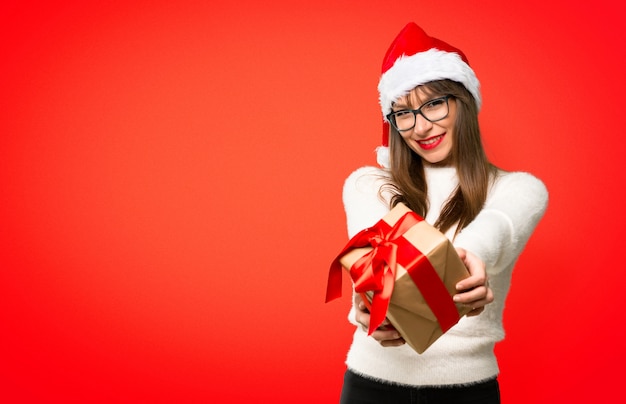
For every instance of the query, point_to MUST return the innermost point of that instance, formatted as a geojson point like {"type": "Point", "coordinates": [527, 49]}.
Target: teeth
{"type": "Point", "coordinates": [430, 141]}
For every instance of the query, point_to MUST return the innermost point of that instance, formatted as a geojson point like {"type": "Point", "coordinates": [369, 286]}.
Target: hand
{"type": "Point", "coordinates": [474, 291]}
{"type": "Point", "coordinates": [386, 334]}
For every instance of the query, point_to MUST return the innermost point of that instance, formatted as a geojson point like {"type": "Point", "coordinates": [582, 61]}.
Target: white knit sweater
{"type": "Point", "coordinates": [464, 355]}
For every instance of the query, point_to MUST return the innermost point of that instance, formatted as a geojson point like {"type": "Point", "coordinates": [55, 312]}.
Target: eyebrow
{"type": "Point", "coordinates": [400, 106]}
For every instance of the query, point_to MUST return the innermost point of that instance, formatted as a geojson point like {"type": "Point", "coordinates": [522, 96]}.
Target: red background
{"type": "Point", "coordinates": [170, 180]}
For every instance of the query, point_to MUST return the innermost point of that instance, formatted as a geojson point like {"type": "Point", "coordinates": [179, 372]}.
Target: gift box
{"type": "Point", "coordinates": [407, 271]}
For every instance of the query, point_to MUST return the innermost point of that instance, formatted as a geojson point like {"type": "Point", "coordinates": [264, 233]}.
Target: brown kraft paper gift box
{"type": "Point", "coordinates": [408, 310]}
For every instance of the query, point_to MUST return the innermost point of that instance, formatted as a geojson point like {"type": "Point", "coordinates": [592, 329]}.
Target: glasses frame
{"type": "Point", "coordinates": [390, 117]}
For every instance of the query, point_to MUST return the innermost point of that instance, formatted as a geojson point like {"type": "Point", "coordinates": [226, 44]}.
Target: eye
{"type": "Point", "coordinates": [436, 103]}
{"type": "Point", "coordinates": [402, 114]}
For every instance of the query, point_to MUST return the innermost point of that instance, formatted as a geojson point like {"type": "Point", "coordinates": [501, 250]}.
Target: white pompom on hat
{"type": "Point", "coordinates": [413, 59]}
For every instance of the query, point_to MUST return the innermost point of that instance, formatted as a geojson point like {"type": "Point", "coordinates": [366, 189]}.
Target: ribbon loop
{"type": "Point", "coordinates": [376, 270]}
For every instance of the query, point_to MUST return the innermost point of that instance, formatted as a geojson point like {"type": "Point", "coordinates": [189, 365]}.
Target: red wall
{"type": "Point", "coordinates": [170, 180]}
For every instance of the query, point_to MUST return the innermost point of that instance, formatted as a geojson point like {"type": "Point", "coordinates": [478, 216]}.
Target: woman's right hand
{"type": "Point", "coordinates": [386, 334]}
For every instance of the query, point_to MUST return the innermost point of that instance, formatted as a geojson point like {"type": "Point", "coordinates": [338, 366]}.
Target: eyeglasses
{"type": "Point", "coordinates": [433, 111]}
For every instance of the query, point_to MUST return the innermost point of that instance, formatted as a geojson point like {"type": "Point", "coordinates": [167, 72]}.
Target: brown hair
{"type": "Point", "coordinates": [408, 182]}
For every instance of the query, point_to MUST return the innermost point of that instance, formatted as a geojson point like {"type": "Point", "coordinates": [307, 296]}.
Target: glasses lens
{"type": "Point", "coordinates": [404, 120]}
{"type": "Point", "coordinates": [436, 109]}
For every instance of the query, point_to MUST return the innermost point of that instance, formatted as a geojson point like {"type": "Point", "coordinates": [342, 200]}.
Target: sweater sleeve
{"type": "Point", "coordinates": [498, 234]}
{"type": "Point", "coordinates": [362, 201]}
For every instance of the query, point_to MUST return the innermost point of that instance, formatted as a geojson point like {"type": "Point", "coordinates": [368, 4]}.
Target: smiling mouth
{"type": "Point", "coordinates": [431, 142]}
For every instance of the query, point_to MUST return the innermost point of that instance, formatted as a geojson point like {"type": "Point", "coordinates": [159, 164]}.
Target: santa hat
{"type": "Point", "coordinates": [413, 59]}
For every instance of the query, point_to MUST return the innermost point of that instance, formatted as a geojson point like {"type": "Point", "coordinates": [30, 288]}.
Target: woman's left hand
{"type": "Point", "coordinates": [474, 291]}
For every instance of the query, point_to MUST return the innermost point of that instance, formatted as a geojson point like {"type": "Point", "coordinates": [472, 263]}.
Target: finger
{"type": "Point", "coordinates": [388, 337]}
{"type": "Point", "coordinates": [472, 262]}
{"type": "Point", "coordinates": [476, 268]}
{"type": "Point", "coordinates": [477, 278]}
{"type": "Point", "coordinates": [473, 295]}
{"type": "Point", "coordinates": [364, 319]}
{"type": "Point", "coordinates": [478, 306]}
{"type": "Point", "coordinates": [392, 343]}
{"type": "Point", "coordinates": [474, 280]}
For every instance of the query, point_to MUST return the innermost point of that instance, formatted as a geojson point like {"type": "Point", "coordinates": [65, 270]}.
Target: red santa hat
{"type": "Point", "coordinates": [413, 59]}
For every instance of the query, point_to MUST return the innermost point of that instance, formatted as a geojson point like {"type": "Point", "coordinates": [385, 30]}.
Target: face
{"type": "Point", "coordinates": [430, 140]}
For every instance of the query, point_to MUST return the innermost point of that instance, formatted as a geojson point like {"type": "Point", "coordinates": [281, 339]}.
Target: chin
{"type": "Point", "coordinates": [439, 162]}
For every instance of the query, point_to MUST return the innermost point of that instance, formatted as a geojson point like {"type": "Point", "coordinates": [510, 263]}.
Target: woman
{"type": "Point", "coordinates": [434, 162]}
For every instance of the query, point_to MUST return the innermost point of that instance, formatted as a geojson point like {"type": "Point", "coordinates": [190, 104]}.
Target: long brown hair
{"type": "Point", "coordinates": [408, 181]}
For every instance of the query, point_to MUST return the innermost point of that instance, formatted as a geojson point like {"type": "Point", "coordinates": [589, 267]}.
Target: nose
{"type": "Point", "coordinates": [422, 125]}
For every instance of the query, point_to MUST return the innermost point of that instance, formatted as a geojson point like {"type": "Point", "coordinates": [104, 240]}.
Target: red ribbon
{"type": "Point", "coordinates": [376, 271]}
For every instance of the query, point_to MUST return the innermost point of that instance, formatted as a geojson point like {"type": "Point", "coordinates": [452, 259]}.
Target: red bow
{"type": "Point", "coordinates": [376, 270]}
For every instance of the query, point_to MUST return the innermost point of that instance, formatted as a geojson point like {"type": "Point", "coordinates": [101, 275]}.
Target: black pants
{"type": "Point", "coordinates": [361, 390]}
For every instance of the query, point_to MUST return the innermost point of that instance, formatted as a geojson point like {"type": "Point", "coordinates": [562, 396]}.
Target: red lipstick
{"type": "Point", "coordinates": [431, 142]}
